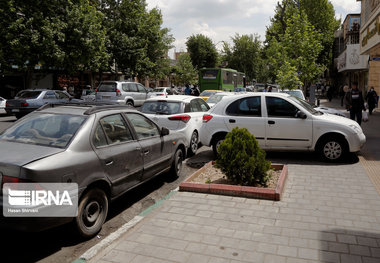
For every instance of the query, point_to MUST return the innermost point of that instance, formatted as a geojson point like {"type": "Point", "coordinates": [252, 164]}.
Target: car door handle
{"type": "Point", "coordinates": [146, 152]}
{"type": "Point", "coordinates": [109, 162]}
{"type": "Point", "coordinates": [232, 120]}
{"type": "Point", "coordinates": [271, 122]}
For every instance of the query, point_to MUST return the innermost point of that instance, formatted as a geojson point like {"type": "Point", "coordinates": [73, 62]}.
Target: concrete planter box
{"type": "Point", "coordinates": [236, 190]}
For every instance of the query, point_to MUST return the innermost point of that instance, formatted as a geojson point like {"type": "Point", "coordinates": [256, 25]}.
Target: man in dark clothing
{"type": "Point", "coordinates": [371, 100]}
{"type": "Point", "coordinates": [355, 103]}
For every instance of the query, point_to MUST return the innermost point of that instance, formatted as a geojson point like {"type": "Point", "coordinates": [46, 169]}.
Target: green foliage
{"type": "Point", "coordinates": [296, 51]}
{"type": "Point", "coordinates": [287, 77]}
{"type": "Point", "coordinates": [184, 71]}
{"type": "Point", "coordinates": [241, 158]}
{"type": "Point", "coordinates": [53, 34]}
{"type": "Point", "coordinates": [244, 55]}
{"type": "Point", "coordinates": [202, 51]}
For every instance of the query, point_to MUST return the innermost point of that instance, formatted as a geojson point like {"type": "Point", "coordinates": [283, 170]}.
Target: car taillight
{"type": "Point", "coordinates": [118, 93]}
{"type": "Point", "coordinates": [185, 118]}
{"type": "Point", "coordinates": [24, 104]}
{"type": "Point", "coordinates": [96, 90]}
{"type": "Point", "coordinates": [6, 104]}
{"type": "Point", "coordinates": [10, 179]}
{"type": "Point", "coordinates": [207, 118]}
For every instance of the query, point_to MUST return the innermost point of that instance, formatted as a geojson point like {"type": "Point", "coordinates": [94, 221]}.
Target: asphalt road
{"type": "Point", "coordinates": [63, 245]}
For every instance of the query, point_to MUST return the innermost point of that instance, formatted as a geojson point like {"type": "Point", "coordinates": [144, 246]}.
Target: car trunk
{"type": "Point", "coordinates": [106, 91]}
{"type": "Point", "coordinates": [15, 155]}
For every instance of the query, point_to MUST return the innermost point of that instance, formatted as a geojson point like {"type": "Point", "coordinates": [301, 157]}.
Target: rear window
{"type": "Point", "coordinates": [28, 94]}
{"type": "Point", "coordinates": [107, 87]}
{"type": "Point", "coordinates": [215, 98]}
{"type": "Point", "coordinates": [158, 90]}
{"type": "Point", "coordinates": [52, 130]}
{"type": "Point", "coordinates": [207, 93]}
{"type": "Point", "coordinates": [161, 107]}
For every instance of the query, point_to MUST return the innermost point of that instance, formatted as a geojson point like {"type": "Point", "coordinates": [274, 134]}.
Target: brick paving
{"type": "Point", "coordinates": [329, 213]}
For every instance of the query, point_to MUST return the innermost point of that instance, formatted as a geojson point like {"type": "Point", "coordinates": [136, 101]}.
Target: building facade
{"type": "Point", "coordinates": [370, 39]}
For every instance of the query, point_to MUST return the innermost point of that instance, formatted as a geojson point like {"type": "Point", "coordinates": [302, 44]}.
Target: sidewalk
{"type": "Point", "coordinates": [329, 213]}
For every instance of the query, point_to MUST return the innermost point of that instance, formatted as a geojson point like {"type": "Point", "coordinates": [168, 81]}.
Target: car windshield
{"type": "Point", "coordinates": [215, 98]}
{"type": "Point", "coordinates": [207, 93]}
{"type": "Point", "coordinates": [53, 130]}
{"type": "Point", "coordinates": [107, 87]}
{"type": "Point", "coordinates": [305, 105]}
{"type": "Point", "coordinates": [28, 94]}
{"type": "Point", "coordinates": [161, 107]}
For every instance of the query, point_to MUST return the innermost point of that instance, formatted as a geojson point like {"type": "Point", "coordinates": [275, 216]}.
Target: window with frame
{"type": "Point", "coordinates": [144, 127]}
{"type": "Point", "coordinates": [50, 95]}
{"type": "Point", "coordinates": [204, 106]}
{"type": "Point", "coordinates": [278, 107]}
{"type": "Point", "coordinates": [250, 106]}
{"type": "Point", "coordinates": [125, 87]}
{"type": "Point", "coordinates": [141, 88]}
{"type": "Point", "coordinates": [111, 130]}
{"type": "Point", "coordinates": [132, 87]}
{"type": "Point", "coordinates": [195, 106]}
{"type": "Point", "coordinates": [62, 95]}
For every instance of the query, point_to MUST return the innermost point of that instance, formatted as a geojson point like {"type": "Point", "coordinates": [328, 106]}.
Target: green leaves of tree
{"type": "Point", "coordinates": [202, 51]}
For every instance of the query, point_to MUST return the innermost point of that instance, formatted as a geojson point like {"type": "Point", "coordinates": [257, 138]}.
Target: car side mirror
{"type": "Point", "coordinates": [164, 131]}
{"type": "Point", "coordinates": [301, 115]}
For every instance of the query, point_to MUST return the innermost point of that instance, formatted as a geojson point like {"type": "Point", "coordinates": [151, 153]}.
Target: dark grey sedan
{"type": "Point", "coordinates": [106, 150]}
{"type": "Point", "coordinates": [27, 101]}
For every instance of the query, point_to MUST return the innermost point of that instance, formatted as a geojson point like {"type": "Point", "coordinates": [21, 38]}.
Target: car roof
{"type": "Point", "coordinates": [172, 98]}
{"type": "Point", "coordinates": [252, 94]}
{"type": "Point", "coordinates": [224, 93]}
{"type": "Point", "coordinates": [114, 81]}
{"type": "Point", "coordinates": [83, 108]}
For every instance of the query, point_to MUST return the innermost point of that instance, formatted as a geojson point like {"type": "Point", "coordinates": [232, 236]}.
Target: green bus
{"type": "Point", "coordinates": [220, 79]}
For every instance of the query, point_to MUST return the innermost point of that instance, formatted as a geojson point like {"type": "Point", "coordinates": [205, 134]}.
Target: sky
{"type": "Point", "coordinates": [222, 19]}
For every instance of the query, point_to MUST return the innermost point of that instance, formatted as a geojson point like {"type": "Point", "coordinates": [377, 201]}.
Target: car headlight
{"type": "Point", "coordinates": [356, 129]}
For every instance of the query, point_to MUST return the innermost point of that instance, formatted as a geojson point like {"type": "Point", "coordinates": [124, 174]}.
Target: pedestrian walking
{"type": "Point", "coordinates": [187, 90]}
{"type": "Point", "coordinates": [355, 103]}
{"type": "Point", "coordinates": [372, 100]}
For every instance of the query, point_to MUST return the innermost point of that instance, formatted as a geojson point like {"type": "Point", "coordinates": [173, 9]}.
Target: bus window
{"type": "Point", "coordinates": [210, 74]}
{"type": "Point", "coordinates": [227, 77]}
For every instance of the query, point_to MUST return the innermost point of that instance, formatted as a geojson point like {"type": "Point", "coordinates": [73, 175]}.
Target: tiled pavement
{"type": "Point", "coordinates": [329, 213]}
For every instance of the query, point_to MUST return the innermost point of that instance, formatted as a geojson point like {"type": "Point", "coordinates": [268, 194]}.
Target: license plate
{"type": "Point", "coordinates": [106, 97]}
{"type": "Point", "coordinates": [15, 110]}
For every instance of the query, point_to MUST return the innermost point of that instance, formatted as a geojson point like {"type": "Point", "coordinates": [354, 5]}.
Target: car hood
{"type": "Point", "coordinates": [336, 119]}
{"type": "Point", "coordinates": [13, 153]}
{"type": "Point", "coordinates": [328, 110]}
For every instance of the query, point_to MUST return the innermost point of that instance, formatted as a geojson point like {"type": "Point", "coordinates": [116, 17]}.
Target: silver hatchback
{"type": "Point", "coordinates": [122, 92]}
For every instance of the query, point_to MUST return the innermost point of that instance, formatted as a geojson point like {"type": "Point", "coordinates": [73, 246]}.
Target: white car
{"type": "Point", "coordinates": [282, 122]}
{"type": "Point", "coordinates": [2, 105]}
{"type": "Point", "coordinates": [214, 99]}
{"type": "Point", "coordinates": [162, 91]}
{"type": "Point", "coordinates": [181, 113]}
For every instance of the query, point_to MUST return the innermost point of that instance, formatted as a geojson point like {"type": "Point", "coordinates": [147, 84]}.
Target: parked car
{"type": "Point", "coordinates": [182, 113]}
{"type": "Point", "coordinates": [2, 105]}
{"type": "Point", "coordinates": [107, 150]}
{"type": "Point", "coordinates": [282, 122]}
{"type": "Point", "coordinates": [214, 99]}
{"type": "Point", "coordinates": [161, 91]}
{"type": "Point", "coordinates": [122, 92]}
{"type": "Point", "coordinates": [88, 95]}
{"type": "Point", "coordinates": [259, 87]}
{"type": "Point", "coordinates": [295, 92]}
{"type": "Point", "coordinates": [207, 93]}
{"type": "Point", "coordinates": [27, 101]}
{"type": "Point", "coordinates": [241, 90]}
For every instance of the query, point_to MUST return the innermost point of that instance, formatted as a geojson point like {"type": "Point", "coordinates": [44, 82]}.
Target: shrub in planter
{"type": "Point", "coordinates": [241, 159]}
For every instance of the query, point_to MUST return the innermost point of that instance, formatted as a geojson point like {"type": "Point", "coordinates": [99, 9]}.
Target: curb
{"type": "Point", "coordinates": [105, 243]}
{"type": "Point", "coordinates": [236, 190]}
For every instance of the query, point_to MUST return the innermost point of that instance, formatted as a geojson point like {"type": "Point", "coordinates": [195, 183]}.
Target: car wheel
{"type": "Point", "coordinates": [177, 163]}
{"type": "Point", "coordinates": [194, 140]}
{"type": "Point", "coordinates": [333, 149]}
{"type": "Point", "coordinates": [92, 212]}
{"type": "Point", "coordinates": [129, 103]}
{"type": "Point", "coordinates": [216, 143]}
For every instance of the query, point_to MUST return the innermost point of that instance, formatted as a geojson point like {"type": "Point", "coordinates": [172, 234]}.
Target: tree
{"type": "Point", "coordinates": [138, 44]}
{"type": "Point", "coordinates": [321, 15]}
{"type": "Point", "coordinates": [184, 71]}
{"type": "Point", "coordinates": [202, 51]}
{"type": "Point", "coordinates": [297, 50]}
{"type": "Point", "coordinates": [244, 55]}
{"type": "Point", "coordinates": [56, 35]}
